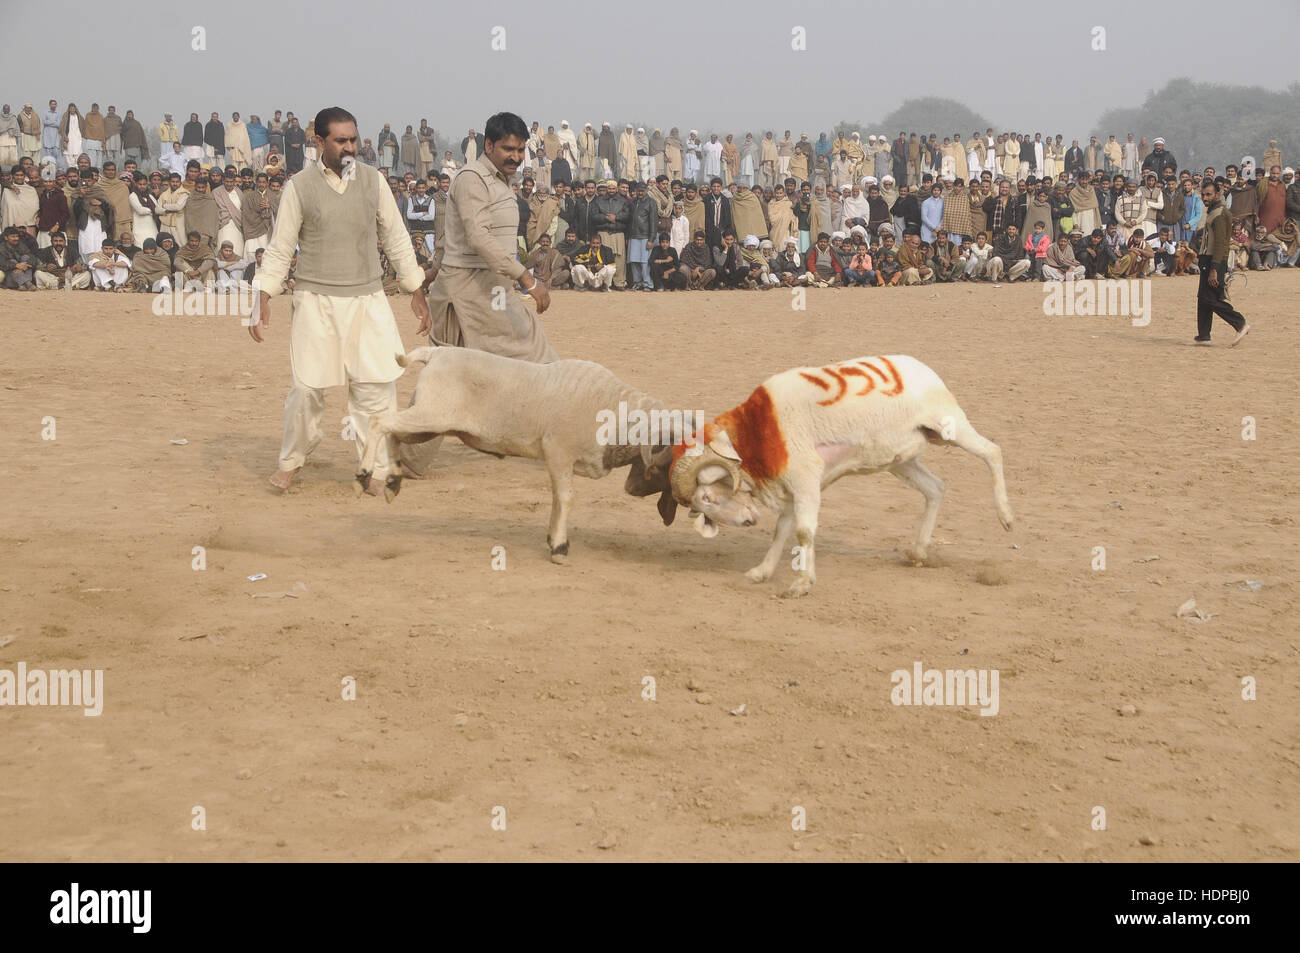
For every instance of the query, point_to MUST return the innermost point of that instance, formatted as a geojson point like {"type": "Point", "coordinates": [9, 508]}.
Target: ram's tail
{"type": "Point", "coordinates": [419, 354]}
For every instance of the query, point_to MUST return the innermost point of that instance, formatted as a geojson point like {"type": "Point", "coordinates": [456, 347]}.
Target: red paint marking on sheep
{"type": "Point", "coordinates": [756, 434]}
{"type": "Point", "coordinates": [850, 370]}
{"type": "Point", "coordinates": [839, 380]}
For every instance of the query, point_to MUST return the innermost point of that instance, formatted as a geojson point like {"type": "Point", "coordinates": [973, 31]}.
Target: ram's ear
{"type": "Point", "coordinates": [721, 445]}
{"type": "Point", "coordinates": [647, 454]}
{"type": "Point", "coordinates": [667, 507]}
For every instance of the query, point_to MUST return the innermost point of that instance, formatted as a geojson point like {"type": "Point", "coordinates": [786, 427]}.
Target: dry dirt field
{"type": "Point", "coordinates": [522, 689]}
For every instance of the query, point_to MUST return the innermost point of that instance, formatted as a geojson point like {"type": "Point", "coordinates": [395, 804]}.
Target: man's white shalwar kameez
{"type": "Point", "coordinates": [336, 340]}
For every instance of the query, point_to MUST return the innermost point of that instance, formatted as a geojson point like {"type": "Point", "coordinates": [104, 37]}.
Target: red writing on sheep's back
{"type": "Point", "coordinates": [756, 434]}
{"type": "Point", "coordinates": [863, 376]}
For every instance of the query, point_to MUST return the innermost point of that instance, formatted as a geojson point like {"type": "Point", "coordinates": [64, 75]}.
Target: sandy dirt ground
{"type": "Point", "coordinates": [478, 690]}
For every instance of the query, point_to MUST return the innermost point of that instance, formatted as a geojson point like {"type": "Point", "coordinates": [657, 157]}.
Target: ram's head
{"type": "Point", "coordinates": [708, 477]}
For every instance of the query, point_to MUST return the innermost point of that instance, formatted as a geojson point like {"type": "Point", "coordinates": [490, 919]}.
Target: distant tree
{"type": "Point", "coordinates": [1211, 124]}
{"type": "Point", "coordinates": [932, 114]}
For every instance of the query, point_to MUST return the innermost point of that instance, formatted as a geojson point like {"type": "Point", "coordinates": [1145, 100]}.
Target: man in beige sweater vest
{"type": "Point", "coordinates": [336, 212]}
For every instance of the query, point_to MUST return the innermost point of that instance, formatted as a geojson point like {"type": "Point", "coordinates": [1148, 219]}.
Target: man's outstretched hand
{"type": "Point", "coordinates": [420, 307]}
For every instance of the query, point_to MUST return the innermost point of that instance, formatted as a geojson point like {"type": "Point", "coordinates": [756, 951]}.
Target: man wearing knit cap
{"type": "Point", "coordinates": [336, 212]}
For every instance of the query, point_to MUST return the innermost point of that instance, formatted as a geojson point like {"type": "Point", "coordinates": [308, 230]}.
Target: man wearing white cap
{"type": "Point", "coordinates": [568, 144]}
{"type": "Point", "coordinates": [1160, 161]}
{"type": "Point", "coordinates": [9, 134]}
{"type": "Point", "coordinates": [587, 153]}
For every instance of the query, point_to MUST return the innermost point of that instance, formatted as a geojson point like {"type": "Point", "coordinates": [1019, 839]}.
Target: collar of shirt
{"type": "Point", "coordinates": [486, 166]}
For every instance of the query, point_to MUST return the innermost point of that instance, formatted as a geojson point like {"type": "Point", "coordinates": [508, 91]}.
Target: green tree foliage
{"type": "Point", "coordinates": [943, 117]}
{"type": "Point", "coordinates": [933, 114]}
{"type": "Point", "coordinates": [1211, 124]}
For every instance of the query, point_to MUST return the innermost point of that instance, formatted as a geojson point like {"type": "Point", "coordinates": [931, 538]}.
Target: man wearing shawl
{"type": "Point", "coordinates": [893, 158]}
{"type": "Point", "coordinates": [543, 210]}
{"type": "Point", "coordinates": [410, 151]}
{"type": "Point", "coordinates": [214, 139]}
{"type": "Point", "coordinates": [134, 144]}
{"type": "Point", "coordinates": [230, 215]}
{"type": "Point", "coordinates": [645, 164]}
{"type": "Point", "coordinates": [202, 215]}
{"type": "Point", "coordinates": [259, 138]}
{"type": "Point", "coordinates": [799, 167]}
{"type": "Point", "coordinates": [427, 148]}
{"type": "Point", "coordinates": [386, 148]}
{"type": "Point", "coordinates": [196, 262]}
{"type": "Point", "coordinates": [749, 160]}
{"type": "Point", "coordinates": [627, 160]}
{"type": "Point", "coordinates": [150, 269]}
{"type": "Point", "coordinates": [118, 194]}
{"type": "Point", "coordinates": [673, 155]}
{"type": "Point", "coordinates": [784, 223]}
{"type": "Point", "coordinates": [92, 134]}
{"type": "Point", "coordinates": [587, 153]}
{"type": "Point", "coordinates": [768, 160]}
{"type": "Point", "coordinates": [192, 139]}
{"type": "Point", "coordinates": [693, 206]}
{"type": "Point", "coordinates": [607, 152]}
{"type": "Point", "coordinates": [746, 212]}
{"type": "Point", "coordinates": [857, 154]}
{"type": "Point", "coordinates": [112, 135]}
{"type": "Point", "coordinates": [1272, 199]}
{"type": "Point", "coordinates": [569, 151]}
{"type": "Point", "coordinates": [1084, 199]}
{"type": "Point", "coordinates": [239, 148]}
{"type": "Point", "coordinates": [730, 162]}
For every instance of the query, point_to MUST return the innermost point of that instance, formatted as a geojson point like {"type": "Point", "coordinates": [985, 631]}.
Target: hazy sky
{"type": "Point", "coordinates": [726, 66]}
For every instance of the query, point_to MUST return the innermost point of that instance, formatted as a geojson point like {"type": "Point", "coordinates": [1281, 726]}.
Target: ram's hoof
{"type": "Point", "coordinates": [800, 587]}
{"type": "Point", "coordinates": [560, 553]}
{"type": "Point", "coordinates": [392, 486]}
{"type": "Point", "coordinates": [360, 486]}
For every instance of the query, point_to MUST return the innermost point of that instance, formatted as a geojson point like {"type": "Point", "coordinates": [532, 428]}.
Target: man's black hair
{"type": "Point", "coordinates": [501, 125]}
{"type": "Point", "coordinates": [332, 114]}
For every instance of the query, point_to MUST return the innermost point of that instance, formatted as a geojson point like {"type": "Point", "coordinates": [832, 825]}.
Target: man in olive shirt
{"type": "Point", "coordinates": [1210, 298]}
{"type": "Point", "coordinates": [476, 265]}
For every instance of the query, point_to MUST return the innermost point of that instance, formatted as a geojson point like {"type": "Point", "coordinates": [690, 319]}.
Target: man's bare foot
{"type": "Point", "coordinates": [282, 478]}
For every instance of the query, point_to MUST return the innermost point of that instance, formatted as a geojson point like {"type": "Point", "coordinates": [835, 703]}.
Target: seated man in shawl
{"type": "Point", "coordinates": [548, 264]}
{"type": "Point", "coordinates": [18, 262]}
{"type": "Point", "coordinates": [732, 268]}
{"type": "Point", "coordinates": [196, 262]}
{"type": "Point", "coordinates": [697, 263]}
{"type": "Point", "coordinates": [787, 265]}
{"type": "Point", "coordinates": [916, 267]}
{"type": "Point", "coordinates": [150, 270]}
{"type": "Point", "coordinates": [946, 256]}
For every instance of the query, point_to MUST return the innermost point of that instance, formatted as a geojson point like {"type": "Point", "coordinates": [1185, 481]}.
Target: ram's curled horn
{"type": "Point", "coordinates": [684, 477]}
